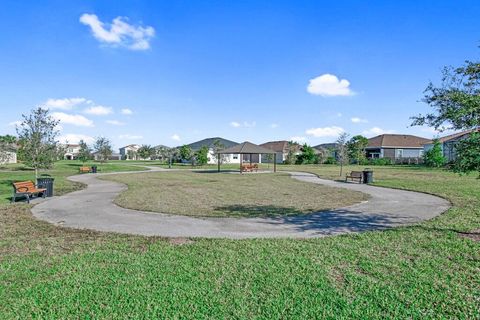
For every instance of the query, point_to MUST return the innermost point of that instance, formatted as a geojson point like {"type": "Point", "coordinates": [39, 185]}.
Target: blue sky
{"type": "Point", "coordinates": [173, 72]}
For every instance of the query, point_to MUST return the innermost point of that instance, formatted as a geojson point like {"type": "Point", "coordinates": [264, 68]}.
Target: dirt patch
{"type": "Point", "coordinates": [180, 241]}
{"type": "Point", "coordinates": [472, 235]}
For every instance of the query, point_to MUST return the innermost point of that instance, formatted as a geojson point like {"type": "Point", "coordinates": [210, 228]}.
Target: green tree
{"type": "Point", "coordinates": [308, 155]}
{"type": "Point", "coordinates": [456, 104]}
{"type": "Point", "coordinates": [146, 151]}
{"type": "Point", "coordinates": [434, 157]}
{"type": "Point", "coordinates": [219, 146]}
{"type": "Point", "coordinates": [38, 136]}
{"type": "Point", "coordinates": [356, 148]}
{"type": "Point", "coordinates": [84, 152]}
{"type": "Point", "coordinates": [468, 154]}
{"type": "Point", "coordinates": [103, 147]}
{"type": "Point", "coordinates": [186, 153]}
{"type": "Point", "coordinates": [131, 155]}
{"type": "Point", "coordinates": [202, 155]}
{"type": "Point", "coordinates": [342, 151]}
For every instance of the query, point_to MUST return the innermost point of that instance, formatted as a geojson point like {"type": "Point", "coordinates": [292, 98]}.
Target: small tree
{"type": "Point", "coordinates": [216, 147]}
{"type": "Point", "coordinates": [356, 148]}
{"type": "Point", "coordinates": [468, 154]}
{"type": "Point", "coordinates": [186, 153]}
{"type": "Point", "coordinates": [131, 155]}
{"type": "Point", "coordinates": [38, 134]}
{"type": "Point", "coordinates": [202, 155]}
{"type": "Point", "coordinates": [322, 155]}
{"type": "Point", "coordinates": [146, 151]}
{"type": "Point", "coordinates": [103, 147]}
{"type": "Point", "coordinates": [84, 152]}
{"type": "Point", "coordinates": [292, 148]}
{"type": "Point", "coordinates": [342, 150]}
{"type": "Point", "coordinates": [434, 157]}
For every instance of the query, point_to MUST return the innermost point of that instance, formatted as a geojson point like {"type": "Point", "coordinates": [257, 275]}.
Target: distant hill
{"type": "Point", "coordinates": [209, 143]}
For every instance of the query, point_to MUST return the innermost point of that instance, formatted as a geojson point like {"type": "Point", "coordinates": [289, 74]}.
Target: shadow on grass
{"type": "Point", "coordinates": [259, 211]}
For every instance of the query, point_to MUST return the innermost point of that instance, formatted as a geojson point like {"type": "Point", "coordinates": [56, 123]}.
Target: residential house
{"type": "Point", "coordinates": [9, 156]}
{"type": "Point", "coordinates": [281, 148]}
{"type": "Point", "coordinates": [399, 148]}
{"type": "Point", "coordinates": [129, 152]}
{"type": "Point", "coordinates": [331, 147]}
{"type": "Point", "coordinates": [210, 144]}
{"type": "Point", "coordinates": [71, 151]}
{"type": "Point", "coordinates": [448, 143]}
{"type": "Point", "coordinates": [114, 156]}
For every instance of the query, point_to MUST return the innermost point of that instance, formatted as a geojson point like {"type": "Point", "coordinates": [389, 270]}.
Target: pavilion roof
{"type": "Point", "coordinates": [246, 148]}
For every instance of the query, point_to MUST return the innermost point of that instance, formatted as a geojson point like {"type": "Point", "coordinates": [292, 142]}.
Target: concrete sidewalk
{"type": "Point", "coordinates": [93, 208]}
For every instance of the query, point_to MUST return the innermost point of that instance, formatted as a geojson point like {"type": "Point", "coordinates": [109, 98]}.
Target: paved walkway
{"type": "Point", "coordinates": [93, 208]}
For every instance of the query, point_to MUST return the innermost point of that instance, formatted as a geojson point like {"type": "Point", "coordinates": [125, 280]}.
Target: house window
{"type": "Point", "coordinates": [399, 153]}
{"type": "Point", "coordinates": [235, 156]}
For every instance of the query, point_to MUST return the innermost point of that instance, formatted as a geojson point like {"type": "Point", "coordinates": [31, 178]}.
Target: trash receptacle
{"type": "Point", "coordinates": [94, 169]}
{"type": "Point", "coordinates": [47, 183]}
{"type": "Point", "coordinates": [367, 175]}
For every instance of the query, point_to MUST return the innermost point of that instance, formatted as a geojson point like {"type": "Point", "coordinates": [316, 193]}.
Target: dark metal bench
{"type": "Point", "coordinates": [26, 189]}
{"type": "Point", "coordinates": [355, 175]}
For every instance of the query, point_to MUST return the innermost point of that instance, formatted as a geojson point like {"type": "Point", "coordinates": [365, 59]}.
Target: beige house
{"type": "Point", "coordinates": [129, 152]}
{"type": "Point", "coordinates": [71, 151]}
{"type": "Point", "coordinates": [399, 148]}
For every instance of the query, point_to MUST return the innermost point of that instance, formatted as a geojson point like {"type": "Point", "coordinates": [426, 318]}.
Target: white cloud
{"type": "Point", "coordinates": [75, 138]}
{"type": "Point", "coordinates": [358, 120]}
{"type": "Point", "coordinates": [98, 110]}
{"type": "Point", "coordinates": [74, 119]}
{"type": "Point", "coordinates": [130, 137]}
{"type": "Point", "coordinates": [64, 104]}
{"type": "Point", "coordinates": [328, 85]}
{"type": "Point", "coordinates": [15, 123]}
{"type": "Point", "coordinates": [126, 111]}
{"type": "Point", "coordinates": [115, 122]}
{"type": "Point", "coordinates": [325, 132]}
{"type": "Point", "coordinates": [119, 32]}
{"type": "Point", "coordinates": [175, 137]}
{"type": "Point", "coordinates": [375, 131]}
{"type": "Point", "coordinates": [274, 125]}
{"type": "Point", "coordinates": [244, 124]}
{"type": "Point", "coordinates": [298, 139]}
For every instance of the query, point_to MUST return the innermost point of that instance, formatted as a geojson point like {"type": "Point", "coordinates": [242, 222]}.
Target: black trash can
{"type": "Point", "coordinates": [94, 169]}
{"type": "Point", "coordinates": [46, 183]}
{"type": "Point", "coordinates": [367, 175]}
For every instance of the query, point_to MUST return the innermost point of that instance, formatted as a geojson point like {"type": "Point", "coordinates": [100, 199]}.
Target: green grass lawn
{"type": "Point", "coordinates": [60, 171]}
{"type": "Point", "coordinates": [430, 270]}
{"type": "Point", "coordinates": [225, 194]}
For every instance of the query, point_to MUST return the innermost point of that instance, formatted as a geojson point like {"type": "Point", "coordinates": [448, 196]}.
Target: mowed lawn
{"type": "Point", "coordinates": [431, 270]}
{"type": "Point", "coordinates": [60, 171]}
{"type": "Point", "coordinates": [207, 193]}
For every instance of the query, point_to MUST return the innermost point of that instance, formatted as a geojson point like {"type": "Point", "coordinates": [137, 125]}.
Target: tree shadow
{"type": "Point", "coordinates": [324, 222]}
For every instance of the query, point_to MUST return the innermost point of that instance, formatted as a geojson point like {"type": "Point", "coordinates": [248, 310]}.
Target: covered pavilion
{"type": "Point", "coordinates": [250, 149]}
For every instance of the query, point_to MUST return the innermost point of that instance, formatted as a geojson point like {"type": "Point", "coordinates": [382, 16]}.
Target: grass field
{"type": "Point", "coordinates": [431, 270]}
{"type": "Point", "coordinates": [224, 194]}
{"type": "Point", "coordinates": [60, 171]}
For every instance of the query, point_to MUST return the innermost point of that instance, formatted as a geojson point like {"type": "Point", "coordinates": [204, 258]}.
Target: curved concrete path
{"type": "Point", "coordinates": [93, 208]}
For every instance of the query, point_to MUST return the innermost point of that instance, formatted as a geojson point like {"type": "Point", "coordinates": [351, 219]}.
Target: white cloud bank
{"type": "Point", "coordinates": [74, 119]}
{"type": "Point", "coordinates": [65, 103]}
{"type": "Point", "coordinates": [358, 120]}
{"type": "Point", "coordinates": [376, 131]}
{"type": "Point", "coordinates": [298, 139]}
{"type": "Point", "coordinates": [175, 137]}
{"type": "Point", "coordinates": [75, 138]}
{"type": "Point", "coordinates": [119, 32]}
{"type": "Point", "coordinates": [328, 85]}
{"type": "Point", "coordinates": [98, 110]}
{"type": "Point", "coordinates": [244, 124]}
{"type": "Point", "coordinates": [333, 131]}
{"type": "Point", "coordinates": [115, 122]}
{"type": "Point", "coordinates": [126, 111]}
